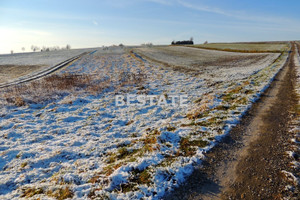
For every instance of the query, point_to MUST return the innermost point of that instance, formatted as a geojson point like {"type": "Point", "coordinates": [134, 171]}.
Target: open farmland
{"type": "Point", "coordinates": [247, 47]}
{"type": "Point", "coordinates": [80, 144]}
{"type": "Point", "coordinates": [17, 66]}
{"type": "Point", "coordinates": [12, 72]}
{"type": "Point", "coordinates": [228, 65]}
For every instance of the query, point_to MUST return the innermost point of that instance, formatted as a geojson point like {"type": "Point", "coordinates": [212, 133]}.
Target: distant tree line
{"type": "Point", "coordinates": [147, 44]}
{"type": "Point", "coordinates": [54, 48]}
{"type": "Point", "coordinates": [183, 42]}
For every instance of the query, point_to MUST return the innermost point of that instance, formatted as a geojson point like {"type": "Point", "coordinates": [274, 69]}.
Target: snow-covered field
{"type": "Point", "coordinates": [83, 146]}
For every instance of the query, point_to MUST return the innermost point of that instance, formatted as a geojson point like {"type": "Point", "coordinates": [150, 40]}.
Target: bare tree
{"type": "Point", "coordinates": [191, 39]}
{"type": "Point", "coordinates": [35, 48]}
{"type": "Point", "coordinates": [11, 51]}
{"type": "Point", "coordinates": [23, 48]}
{"type": "Point", "coordinates": [68, 47]}
{"type": "Point", "coordinates": [43, 48]}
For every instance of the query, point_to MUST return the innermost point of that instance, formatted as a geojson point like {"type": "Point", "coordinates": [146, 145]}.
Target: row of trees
{"type": "Point", "coordinates": [35, 48]}
{"type": "Point", "coordinates": [147, 44]}
{"type": "Point", "coordinates": [54, 48]}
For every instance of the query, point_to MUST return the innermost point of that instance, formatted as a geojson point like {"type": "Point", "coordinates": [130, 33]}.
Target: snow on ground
{"type": "Point", "coordinates": [84, 146]}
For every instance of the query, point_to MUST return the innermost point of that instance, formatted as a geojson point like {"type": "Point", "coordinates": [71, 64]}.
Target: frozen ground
{"type": "Point", "coordinates": [84, 146]}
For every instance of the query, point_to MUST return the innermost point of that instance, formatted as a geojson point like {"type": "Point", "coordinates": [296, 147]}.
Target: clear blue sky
{"type": "Point", "coordinates": [91, 23]}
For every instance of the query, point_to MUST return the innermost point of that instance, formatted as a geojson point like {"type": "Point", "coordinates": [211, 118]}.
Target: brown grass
{"type": "Point", "coordinates": [171, 128]}
{"type": "Point", "coordinates": [66, 82]}
{"type": "Point", "coordinates": [44, 89]}
{"type": "Point", "coordinates": [30, 192]}
{"type": "Point", "coordinates": [55, 86]}
{"type": "Point", "coordinates": [17, 101]}
{"type": "Point", "coordinates": [188, 146]}
{"type": "Point", "coordinates": [199, 111]}
{"type": "Point", "coordinates": [130, 78]}
{"type": "Point", "coordinates": [144, 177]}
{"type": "Point", "coordinates": [61, 193]}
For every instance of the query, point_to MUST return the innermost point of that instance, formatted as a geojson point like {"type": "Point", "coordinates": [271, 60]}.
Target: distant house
{"type": "Point", "coordinates": [184, 42]}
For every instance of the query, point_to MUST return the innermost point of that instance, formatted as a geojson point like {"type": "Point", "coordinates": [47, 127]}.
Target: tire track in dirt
{"type": "Point", "coordinates": [247, 163]}
{"type": "Point", "coordinates": [259, 171]}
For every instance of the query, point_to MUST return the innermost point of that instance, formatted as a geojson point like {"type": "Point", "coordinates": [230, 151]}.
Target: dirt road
{"type": "Point", "coordinates": [248, 164]}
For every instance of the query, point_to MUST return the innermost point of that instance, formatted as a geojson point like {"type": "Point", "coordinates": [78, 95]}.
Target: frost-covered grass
{"type": "Point", "coordinates": [82, 146]}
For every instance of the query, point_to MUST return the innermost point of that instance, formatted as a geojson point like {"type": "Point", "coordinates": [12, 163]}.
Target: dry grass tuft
{"type": "Point", "coordinates": [130, 78]}
{"type": "Point", "coordinates": [55, 86]}
{"type": "Point", "coordinates": [61, 193]}
{"type": "Point", "coordinates": [17, 101]}
{"type": "Point", "coordinates": [66, 81]}
{"type": "Point", "coordinates": [30, 192]}
{"type": "Point", "coordinates": [47, 88]}
{"type": "Point", "coordinates": [188, 146]}
{"type": "Point", "coordinates": [144, 177]}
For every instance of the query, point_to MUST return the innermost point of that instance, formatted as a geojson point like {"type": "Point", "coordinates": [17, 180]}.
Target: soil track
{"type": "Point", "coordinates": [248, 163]}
